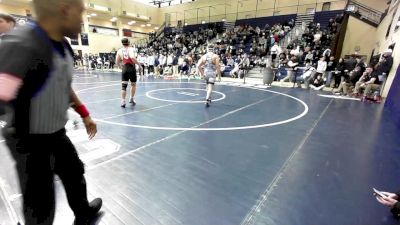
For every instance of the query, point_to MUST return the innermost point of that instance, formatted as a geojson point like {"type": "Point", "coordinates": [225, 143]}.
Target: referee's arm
{"type": "Point", "coordinates": [91, 127]}
{"type": "Point", "coordinates": [14, 66]}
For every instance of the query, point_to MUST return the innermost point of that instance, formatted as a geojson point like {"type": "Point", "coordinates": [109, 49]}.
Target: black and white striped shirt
{"type": "Point", "coordinates": [46, 70]}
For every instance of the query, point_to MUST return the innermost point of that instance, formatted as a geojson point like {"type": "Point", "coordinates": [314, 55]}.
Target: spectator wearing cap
{"type": "Point", "coordinates": [385, 63]}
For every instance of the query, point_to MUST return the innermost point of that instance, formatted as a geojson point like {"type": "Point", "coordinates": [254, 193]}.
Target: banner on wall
{"type": "Point", "coordinates": [103, 30]}
{"type": "Point", "coordinates": [127, 33]}
{"type": "Point", "coordinates": [84, 39]}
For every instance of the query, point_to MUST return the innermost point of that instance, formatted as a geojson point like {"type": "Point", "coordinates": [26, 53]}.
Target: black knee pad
{"type": "Point", "coordinates": [124, 86]}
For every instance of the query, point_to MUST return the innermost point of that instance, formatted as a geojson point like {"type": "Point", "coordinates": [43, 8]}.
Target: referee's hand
{"type": "Point", "coordinates": [91, 127]}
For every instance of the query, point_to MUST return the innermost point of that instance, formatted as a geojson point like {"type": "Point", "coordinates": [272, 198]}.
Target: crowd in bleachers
{"type": "Point", "coordinates": [306, 61]}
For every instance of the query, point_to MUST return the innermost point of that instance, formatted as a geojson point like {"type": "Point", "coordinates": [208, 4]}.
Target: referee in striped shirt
{"type": "Point", "coordinates": [36, 86]}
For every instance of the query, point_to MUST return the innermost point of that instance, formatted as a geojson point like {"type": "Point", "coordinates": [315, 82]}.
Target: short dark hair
{"type": "Point", "coordinates": [7, 18]}
{"type": "Point", "coordinates": [125, 41]}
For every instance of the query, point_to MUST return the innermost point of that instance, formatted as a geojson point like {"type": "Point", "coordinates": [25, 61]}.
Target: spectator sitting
{"type": "Point", "coordinates": [339, 72]}
{"type": "Point", "coordinates": [322, 65]}
{"type": "Point", "coordinates": [309, 73]}
{"type": "Point", "coordinates": [330, 70]}
{"type": "Point", "coordinates": [349, 82]}
{"type": "Point", "coordinates": [317, 83]}
{"type": "Point", "coordinates": [385, 63]}
{"type": "Point", "coordinates": [373, 85]}
{"type": "Point", "coordinates": [168, 71]}
{"type": "Point", "coordinates": [292, 67]}
{"type": "Point", "coordinates": [235, 72]}
{"type": "Point", "coordinates": [368, 77]}
{"type": "Point", "coordinates": [350, 64]}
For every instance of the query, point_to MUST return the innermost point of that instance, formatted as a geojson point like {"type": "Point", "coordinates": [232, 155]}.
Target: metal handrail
{"type": "Point", "coordinates": [365, 6]}
{"type": "Point", "coordinates": [365, 11]}
{"type": "Point", "coordinates": [160, 30]}
{"type": "Point", "coordinates": [248, 14]}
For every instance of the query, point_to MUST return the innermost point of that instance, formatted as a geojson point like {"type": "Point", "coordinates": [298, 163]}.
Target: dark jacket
{"type": "Point", "coordinates": [385, 66]}
{"type": "Point", "coordinates": [396, 209]}
{"type": "Point", "coordinates": [350, 64]}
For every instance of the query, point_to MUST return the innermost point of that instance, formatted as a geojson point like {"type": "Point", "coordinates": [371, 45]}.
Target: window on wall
{"type": "Point", "coordinates": [103, 30]}
{"type": "Point", "coordinates": [326, 6]}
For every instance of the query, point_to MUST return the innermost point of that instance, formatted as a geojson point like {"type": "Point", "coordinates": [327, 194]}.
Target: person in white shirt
{"type": "Point", "coordinates": [321, 67]}
{"type": "Point", "coordinates": [170, 59]}
{"type": "Point", "coordinates": [150, 62]}
{"type": "Point", "coordinates": [317, 36]}
{"type": "Point", "coordinates": [275, 50]}
{"type": "Point", "coordinates": [142, 63]}
{"type": "Point", "coordinates": [162, 59]}
{"type": "Point", "coordinates": [184, 50]}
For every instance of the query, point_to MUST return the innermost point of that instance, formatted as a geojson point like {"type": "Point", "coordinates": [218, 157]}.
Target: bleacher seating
{"type": "Point", "coordinates": [197, 27]}
{"type": "Point", "coordinates": [323, 17]}
{"type": "Point", "coordinates": [261, 21]}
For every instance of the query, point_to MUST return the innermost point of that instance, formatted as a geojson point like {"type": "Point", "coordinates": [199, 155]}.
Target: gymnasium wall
{"type": "Point", "coordinates": [379, 5]}
{"type": "Point", "coordinates": [361, 34]}
{"type": "Point", "coordinates": [216, 10]}
{"type": "Point", "coordinates": [13, 9]}
{"type": "Point", "coordinates": [392, 102]}
{"type": "Point", "coordinates": [382, 42]}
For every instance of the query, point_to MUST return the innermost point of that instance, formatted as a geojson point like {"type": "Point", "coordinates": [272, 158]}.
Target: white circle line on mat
{"type": "Point", "coordinates": [148, 94]}
{"type": "Point", "coordinates": [209, 129]}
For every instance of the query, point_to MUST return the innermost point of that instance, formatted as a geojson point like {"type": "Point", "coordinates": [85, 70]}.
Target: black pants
{"type": "Point", "coordinates": [38, 158]}
{"type": "Point", "coordinates": [151, 69]}
{"type": "Point", "coordinates": [142, 67]}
